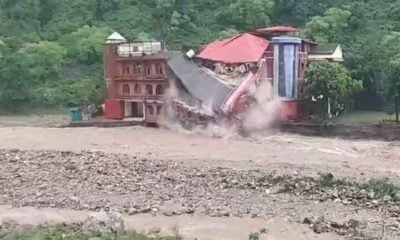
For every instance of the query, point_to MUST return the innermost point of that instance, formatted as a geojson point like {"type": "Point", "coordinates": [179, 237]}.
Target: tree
{"type": "Point", "coordinates": [329, 85]}
{"type": "Point", "coordinates": [15, 85]}
{"type": "Point", "coordinates": [86, 44]}
{"type": "Point", "coordinates": [329, 27]}
{"type": "Point", "coordinates": [248, 15]}
{"type": "Point", "coordinates": [297, 12]}
{"type": "Point", "coordinates": [181, 31]}
{"type": "Point", "coordinates": [3, 50]}
{"type": "Point", "coordinates": [163, 12]}
{"type": "Point", "coordinates": [79, 28]}
{"type": "Point", "coordinates": [41, 60]}
{"type": "Point", "coordinates": [392, 84]}
{"type": "Point", "coordinates": [130, 21]}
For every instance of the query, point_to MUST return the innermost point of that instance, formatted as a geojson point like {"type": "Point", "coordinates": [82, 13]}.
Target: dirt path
{"type": "Point", "coordinates": [282, 152]}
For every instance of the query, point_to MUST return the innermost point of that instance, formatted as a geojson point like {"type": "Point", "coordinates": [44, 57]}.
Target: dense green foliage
{"type": "Point", "coordinates": [50, 50]}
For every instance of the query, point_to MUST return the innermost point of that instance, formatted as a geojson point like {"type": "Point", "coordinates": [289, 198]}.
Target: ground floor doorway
{"type": "Point", "coordinates": [134, 110]}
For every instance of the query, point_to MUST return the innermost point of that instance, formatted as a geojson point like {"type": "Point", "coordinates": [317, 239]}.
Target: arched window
{"type": "Point", "coordinates": [125, 89]}
{"type": "Point", "coordinates": [159, 90]}
{"type": "Point", "coordinates": [138, 89]}
{"type": "Point", "coordinates": [149, 89]}
{"type": "Point", "coordinates": [150, 109]}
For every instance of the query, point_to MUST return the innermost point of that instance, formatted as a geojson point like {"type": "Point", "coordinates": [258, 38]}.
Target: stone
{"type": "Point", "coordinates": [132, 211]}
{"type": "Point", "coordinates": [363, 193]}
{"type": "Point", "coordinates": [346, 202]}
{"type": "Point", "coordinates": [168, 213]}
{"type": "Point", "coordinates": [170, 209]}
{"type": "Point", "coordinates": [320, 227]}
{"type": "Point", "coordinates": [337, 200]}
{"type": "Point", "coordinates": [336, 225]}
{"type": "Point", "coordinates": [75, 199]}
{"type": "Point", "coordinates": [397, 196]}
{"type": "Point", "coordinates": [387, 198]}
{"type": "Point", "coordinates": [371, 195]}
{"type": "Point", "coordinates": [352, 223]}
{"type": "Point", "coordinates": [308, 221]}
{"type": "Point", "coordinates": [144, 210]}
{"type": "Point", "coordinates": [155, 230]}
{"type": "Point", "coordinates": [335, 193]}
{"type": "Point", "coordinates": [104, 222]}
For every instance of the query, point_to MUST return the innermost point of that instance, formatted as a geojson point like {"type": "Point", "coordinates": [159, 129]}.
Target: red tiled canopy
{"type": "Point", "coordinates": [243, 48]}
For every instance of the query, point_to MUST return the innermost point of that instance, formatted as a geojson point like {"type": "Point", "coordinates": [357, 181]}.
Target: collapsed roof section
{"type": "Point", "coordinates": [209, 90]}
{"type": "Point", "coordinates": [243, 48]}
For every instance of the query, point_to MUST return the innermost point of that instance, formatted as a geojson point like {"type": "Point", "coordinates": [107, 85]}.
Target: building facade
{"type": "Point", "coordinates": [223, 81]}
{"type": "Point", "coordinates": [136, 79]}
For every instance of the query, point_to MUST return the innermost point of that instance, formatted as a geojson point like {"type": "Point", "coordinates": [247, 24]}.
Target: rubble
{"type": "Point", "coordinates": [122, 183]}
{"type": "Point", "coordinates": [104, 222]}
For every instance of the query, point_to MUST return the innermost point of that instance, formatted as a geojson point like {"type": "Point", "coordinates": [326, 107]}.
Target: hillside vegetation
{"type": "Point", "coordinates": [51, 50]}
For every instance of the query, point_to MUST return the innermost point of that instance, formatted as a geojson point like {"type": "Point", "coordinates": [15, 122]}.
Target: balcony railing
{"type": "Point", "coordinates": [139, 49]}
{"type": "Point", "coordinates": [140, 77]}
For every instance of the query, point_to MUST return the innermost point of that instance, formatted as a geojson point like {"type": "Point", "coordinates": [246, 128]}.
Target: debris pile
{"type": "Point", "coordinates": [104, 223]}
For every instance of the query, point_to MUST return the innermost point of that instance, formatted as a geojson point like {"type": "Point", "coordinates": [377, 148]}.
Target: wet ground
{"type": "Point", "coordinates": [176, 174]}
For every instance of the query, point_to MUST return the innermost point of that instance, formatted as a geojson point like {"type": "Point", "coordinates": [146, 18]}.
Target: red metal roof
{"type": "Point", "coordinates": [242, 48]}
{"type": "Point", "coordinates": [278, 29]}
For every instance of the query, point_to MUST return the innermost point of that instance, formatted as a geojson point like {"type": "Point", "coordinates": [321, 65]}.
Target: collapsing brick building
{"type": "Point", "coordinates": [146, 82]}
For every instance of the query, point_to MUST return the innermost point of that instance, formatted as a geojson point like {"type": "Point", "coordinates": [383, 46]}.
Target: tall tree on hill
{"type": "Point", "coordinates": [392, 85]}
{"type": "Point", "coordinates": [329, 27]}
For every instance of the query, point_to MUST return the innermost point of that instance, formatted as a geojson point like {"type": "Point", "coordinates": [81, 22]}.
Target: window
{"type": "Point", "coordinates": [125, 89]}
{"type": "Point", "coordinates": [126, 70]}
{"type": "Point", "coordinates": [138, 89]}
{"type": "Point", "coordinates": [150, 109]}
{"type": "Point", "coordinates": [149, 89]}
{"type": "Point", "coordinates": [159, 68]}
{"type": "Point", "coordinates": [158, 110]}
{"type": "Point", "coordinates": [148, 70]}
{"type": "Point", "coordinates": [138, 68]}
{"type": "Point", "coordinates": [159, 90]}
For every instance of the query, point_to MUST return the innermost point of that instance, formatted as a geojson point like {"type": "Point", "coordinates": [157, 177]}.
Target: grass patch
{"type": "Point", "coordinates": [328, 180]}
{"type": "Point", "coordinates": [382, 187]}
{"type": "Point", "coordinates": [363, 117]}
{"type": "Point", "coordinates": [61, 233]}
